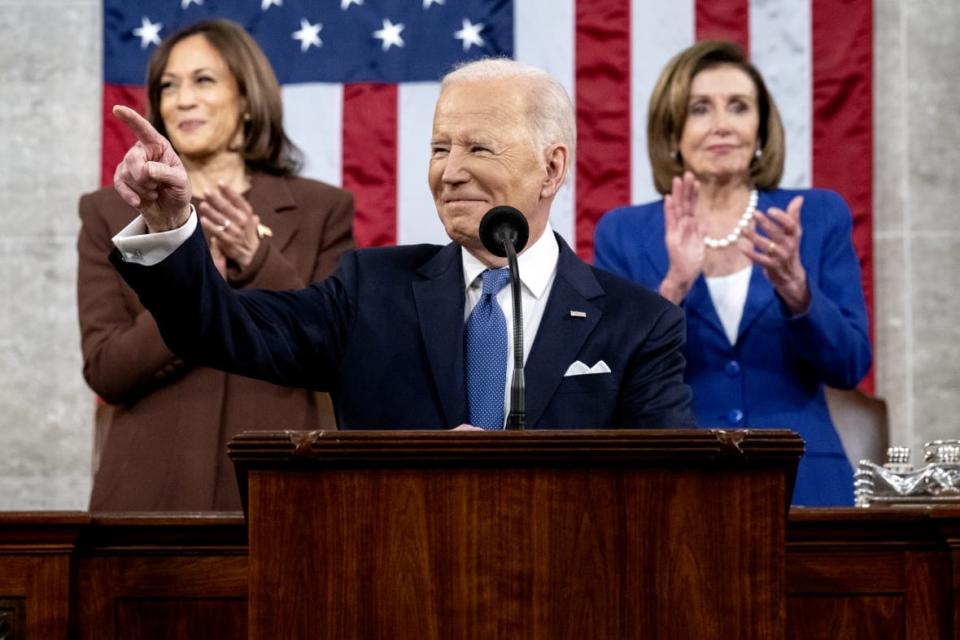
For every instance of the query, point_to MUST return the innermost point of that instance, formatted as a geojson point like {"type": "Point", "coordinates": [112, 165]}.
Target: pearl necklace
{"type": "Point", "coordinates": [730, 238]}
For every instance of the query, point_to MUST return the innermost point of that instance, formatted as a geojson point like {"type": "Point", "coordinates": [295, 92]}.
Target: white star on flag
{"type": "Point", "coordinates": [470, 34]}
{"type": "Point", "coordinates": [309, 34]}
{"type": "Point", "coordinates": [266, 4]}
{"type": "Point", "coordinates": [186, 3]}
{"type": "Point", "coordinates": [148, 32]}
{"type": "Point", "coordinates": [345, 4]}
{"type": "Point", "coordinates": [428, 3]}
{"type": "Point", "coordinates": [390, 34]}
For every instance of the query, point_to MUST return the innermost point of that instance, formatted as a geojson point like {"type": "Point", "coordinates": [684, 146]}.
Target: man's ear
{"type": "Point", "coordinates": [555, 159]}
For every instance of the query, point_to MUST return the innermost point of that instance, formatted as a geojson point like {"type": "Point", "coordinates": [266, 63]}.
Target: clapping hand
{"type": "Point", "coordinates": [151, 177]}
{"type": "Point", "coordinates": [779, 253]}
{"type": "Point", "coordinates": [228, 220]}
{"type": "Point", "coordinates": [683, 238]}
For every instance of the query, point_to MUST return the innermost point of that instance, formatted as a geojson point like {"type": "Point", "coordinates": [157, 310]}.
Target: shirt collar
{"type": "Point", "coordinates": [537, 264]}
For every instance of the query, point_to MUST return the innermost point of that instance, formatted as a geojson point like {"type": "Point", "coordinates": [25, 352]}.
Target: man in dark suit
{"type": "Point", "coordinates": [392, 333]}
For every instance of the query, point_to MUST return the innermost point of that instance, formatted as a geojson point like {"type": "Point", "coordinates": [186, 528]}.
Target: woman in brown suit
{"type": "Point", "coordinates": [211, 91]}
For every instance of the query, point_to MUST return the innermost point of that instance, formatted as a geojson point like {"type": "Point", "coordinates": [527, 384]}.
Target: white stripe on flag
{"type": "Point", "coordinates": [659, 30]}
{"type": "Point", "coordinates": [780, 46]}
{"type": "Point", "coordinates": [417, 219]}
{"type": "Point", "coordinates": [313, 117]}
{"type": "Point", "coordinates": [543, 37]}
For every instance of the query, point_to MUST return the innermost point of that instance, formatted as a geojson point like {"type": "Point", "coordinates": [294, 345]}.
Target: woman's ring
{"type": "Point", "coordinates": [771, 245]}
{"type": "Point", "coordinates": [223, 227]}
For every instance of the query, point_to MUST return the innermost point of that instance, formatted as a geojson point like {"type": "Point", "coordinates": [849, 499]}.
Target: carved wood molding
{"type": "Point", "coordinates": [650, 447]}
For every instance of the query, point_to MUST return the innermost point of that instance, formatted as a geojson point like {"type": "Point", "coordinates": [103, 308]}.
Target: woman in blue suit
{"type": "Point", "coordinates": [767, 276]}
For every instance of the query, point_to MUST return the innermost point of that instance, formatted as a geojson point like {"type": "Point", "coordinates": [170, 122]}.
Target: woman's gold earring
{"type": "Point", "coordinates": [246, 117]}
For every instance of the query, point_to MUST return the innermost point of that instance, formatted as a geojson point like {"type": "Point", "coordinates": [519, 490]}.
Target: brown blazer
{"type": "Point", "coordinates": [164, 436]}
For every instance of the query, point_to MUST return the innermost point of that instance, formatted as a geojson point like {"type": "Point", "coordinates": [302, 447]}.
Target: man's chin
{"type": "Point", "coordinates": [462, 220]}
{"type": "Point", "coordinates": [464, 210]}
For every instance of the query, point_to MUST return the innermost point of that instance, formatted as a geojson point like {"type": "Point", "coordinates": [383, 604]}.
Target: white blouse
{"type": "Point", "coordinates": [729, 295]}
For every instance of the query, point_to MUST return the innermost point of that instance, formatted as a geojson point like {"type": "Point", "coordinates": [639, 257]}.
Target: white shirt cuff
{"type": "Point", "coordinates": [139, 246]}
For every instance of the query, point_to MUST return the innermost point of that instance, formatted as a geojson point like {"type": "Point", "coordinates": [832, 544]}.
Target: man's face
{"type": "Point", "coordinates": [482, 156]}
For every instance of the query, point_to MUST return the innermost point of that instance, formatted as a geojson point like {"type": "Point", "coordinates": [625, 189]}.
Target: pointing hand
{"type": "Point", "coordinates": [151, 177]}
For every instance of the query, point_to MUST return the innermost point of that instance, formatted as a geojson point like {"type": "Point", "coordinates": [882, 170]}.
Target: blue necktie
{"type": "Point", "coordinates": [485, 348]}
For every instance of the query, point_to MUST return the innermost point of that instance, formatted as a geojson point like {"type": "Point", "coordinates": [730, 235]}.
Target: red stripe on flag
{"type": "Point", "coordinates": [603, 114]}
{"type": "Point", "coordinates": [115, 136]}
{"type": "Point", "coordinates": [724, 20]}
{"type": "Point", "coordinates": [843, 121]}
{"type": "Point", "coordinates": [370, 160]}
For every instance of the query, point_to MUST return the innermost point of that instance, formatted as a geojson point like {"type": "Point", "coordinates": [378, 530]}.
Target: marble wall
{"type": "Point", "coordinates": [916, 228]}
{"type": "Point", "coordinates": [50, 66]}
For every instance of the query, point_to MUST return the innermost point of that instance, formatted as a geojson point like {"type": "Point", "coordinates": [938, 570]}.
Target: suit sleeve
{"type": "Point", "coordinates": [124, 356]}
{"type": "Point", "coordinates": [831, 336]}
{"type": "Point", "coordinates": [291, 338]}
{"type": "Point", "coordinates": [654, 393]}
{"type": "Point", "coordinates": [271, 269]}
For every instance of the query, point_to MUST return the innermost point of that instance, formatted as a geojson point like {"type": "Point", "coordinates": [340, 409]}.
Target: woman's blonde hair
{"type": "Point", "coordinates": [669, 105]}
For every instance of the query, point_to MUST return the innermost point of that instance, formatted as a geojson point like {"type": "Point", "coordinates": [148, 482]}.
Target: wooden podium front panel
{"type": "Point", "coordinates": [175, 598]}
{"type": "Point", "coordinates": [34, 595]}
{"type": "Point", "coordinates": [872, 573]}
{"type": "Point", "coordinates": [161, 576]}
{"type": "Point", "coordinates": [35, 559]}
{"type": "Point", "coordinates": [630, 553]}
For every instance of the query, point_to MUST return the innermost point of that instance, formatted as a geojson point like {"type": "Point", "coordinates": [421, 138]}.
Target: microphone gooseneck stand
{"type": "Point", "coordinates": [504, 232]}
{"type": "Point", "coordinates": [517, 420]}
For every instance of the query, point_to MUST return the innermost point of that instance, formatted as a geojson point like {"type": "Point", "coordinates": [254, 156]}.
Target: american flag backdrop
{"type": "Point", "coordinates": [360, 78]}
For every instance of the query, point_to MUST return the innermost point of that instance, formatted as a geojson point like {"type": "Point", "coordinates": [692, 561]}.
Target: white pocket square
{"type": "Point", "coordinates": [580, 369]}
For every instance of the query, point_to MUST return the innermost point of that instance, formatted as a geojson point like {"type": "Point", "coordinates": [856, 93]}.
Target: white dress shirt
{"type": "Point", "coordinates": [137, 245]}
{"type": "Point", "coordinates": [538, 268]}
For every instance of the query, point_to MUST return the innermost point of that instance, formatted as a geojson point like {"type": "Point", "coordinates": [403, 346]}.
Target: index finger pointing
{"type": "Point", "coordinates": [138, 125]}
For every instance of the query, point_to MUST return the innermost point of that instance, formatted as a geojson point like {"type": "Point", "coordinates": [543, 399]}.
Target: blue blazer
{"type": "Point", "coordinates": [384, 335]}
{"type": "Point", "coordinates": [774, 375]}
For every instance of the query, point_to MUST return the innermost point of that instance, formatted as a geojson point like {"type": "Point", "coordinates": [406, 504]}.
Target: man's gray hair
{"type": "Point", "coordinates": [550, 116]}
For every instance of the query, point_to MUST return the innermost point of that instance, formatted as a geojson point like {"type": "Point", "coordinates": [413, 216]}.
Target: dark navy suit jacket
{"type": "Point", "coordinates": [384, 335]}
{"type": "Point", "coordinates": [774, 375]}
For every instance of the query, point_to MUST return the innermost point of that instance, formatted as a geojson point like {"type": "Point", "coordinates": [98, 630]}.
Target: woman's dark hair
{"type": "Point", "coordinates": [265, 144]}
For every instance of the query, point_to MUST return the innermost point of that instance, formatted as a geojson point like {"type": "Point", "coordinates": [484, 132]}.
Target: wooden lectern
{"type": "Point", "coordinates": [527, 535]}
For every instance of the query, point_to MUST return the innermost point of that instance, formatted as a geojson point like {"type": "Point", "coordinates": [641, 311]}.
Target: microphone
{"type": "Point", "coordinates": [501, 227]}
{"type": "Point", "coordinates": [504, 232]}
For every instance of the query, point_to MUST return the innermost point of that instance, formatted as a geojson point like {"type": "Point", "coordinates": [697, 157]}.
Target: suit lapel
{"type": "Point", "coordinates": [272, 200]}
{"type": "Point", "coordinates": [560, 335]}
{"type": "Point", "coordinates": [440, 301]}
{"type": "Point", "coordinates": [761, 294]}
{"type": "Point", "coordinates": [699, 302]}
